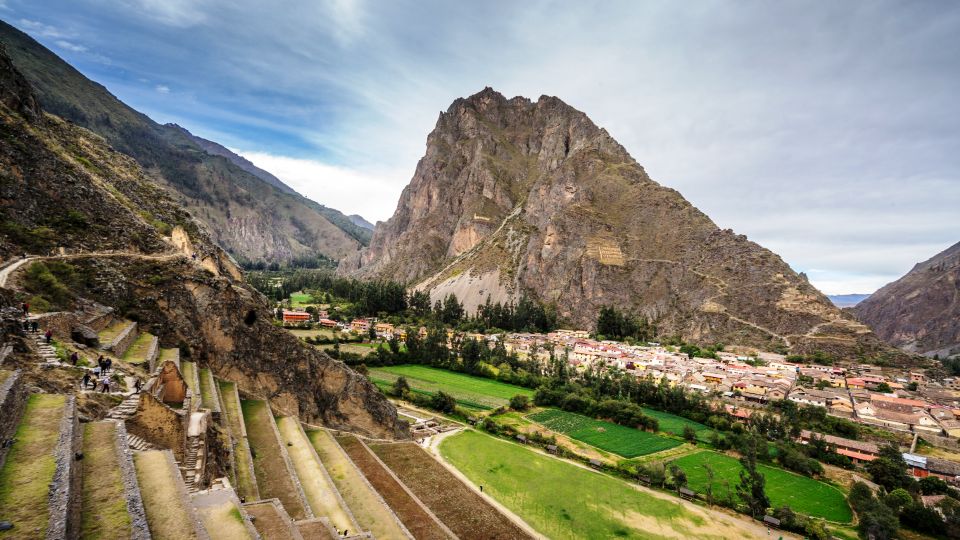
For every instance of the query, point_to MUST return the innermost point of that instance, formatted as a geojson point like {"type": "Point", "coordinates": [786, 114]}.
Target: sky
{"type": "Point", "coordinates": [828, 132]}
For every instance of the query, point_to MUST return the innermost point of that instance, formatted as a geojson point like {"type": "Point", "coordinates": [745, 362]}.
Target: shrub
{"type": "Point", "coordinates": [519, 402]}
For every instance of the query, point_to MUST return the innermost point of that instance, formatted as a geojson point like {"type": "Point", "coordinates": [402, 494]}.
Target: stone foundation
{"type": "Point", "coordinates": [65, 488]}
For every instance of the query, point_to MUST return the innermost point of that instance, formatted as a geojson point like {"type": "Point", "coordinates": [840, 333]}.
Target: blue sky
{"type": "Point", "coordinates": [828, 132]}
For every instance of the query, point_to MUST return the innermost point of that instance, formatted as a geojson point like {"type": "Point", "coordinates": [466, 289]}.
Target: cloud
{"type": "Point", "coordinates": [64, 44]}
{"type": "Point", "coordinates": [38, 29]}
{"type": "Point", "coordinates": [162, 89]}
{"type": "Point", "coordinates": [372, 194]}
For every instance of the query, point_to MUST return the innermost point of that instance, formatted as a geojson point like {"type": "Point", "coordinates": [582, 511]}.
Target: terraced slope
{"type": "Point", "coordinates": [104, 503]}
{"type": "Point", "coordinates": [164, 496]}
{"type": "Point", "coordinates": [369, 509]}
{"type": "Point", "coordinates": [270, 521]}
{"type": "Point", "coordinates": [273, 478]}
{"type": "Point", "coordinates": [419, 521]}
{"type": "Point", "coordinates": [246, 478]}
{"type": "Point", "coordinates": [208, 394]}
{"type": "Point", "coordinates": [138, 351]}
{"type": "Point", "coordinates": [30, 465]}
{"type": "Point", "coordinates": [221, 515]}
{"type": "Point", "coordinates": [321, 493]}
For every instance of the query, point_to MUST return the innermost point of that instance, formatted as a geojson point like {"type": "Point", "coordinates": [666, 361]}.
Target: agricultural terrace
{"type": "Point", "coordinates": [103, 512]}
{"type": "Point", "coordinates": [246, 480]}
{"type": "Point", "coordinates": [802, 494]}
{"type": "Point", "coordinates": [621, 440]}
{"type": "Point", "coordinates": [269, 465]}
{"type": "Point", "coordinates": [409, 510]}
{"type": "Point", "coordinates": [673, 424]}
{"type": "Point", "coordinates": [562, 500]}
{"type": "Point", "coordinates": [367, 507]}
{"type": "Point", "coordinates": [460, 508]}
{"type": "Point", "coordinates": [167, 514]}
{"type": "Point", "coordinates": [469, 391]}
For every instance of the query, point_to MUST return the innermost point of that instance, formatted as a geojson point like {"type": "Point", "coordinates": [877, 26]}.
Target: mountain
{"type": "Point", "coordinates": [920, 312]}
{"type": "Point", "coordinates": [515, 197]}
{"type": "Point", "coordinates": [252, 218]}
{"type": "Point", "coordinates": [360, 222]}
{"type": "Point", "coordinates": [129, 245]}
{"type": "Point", "coordinates": [847, 300]}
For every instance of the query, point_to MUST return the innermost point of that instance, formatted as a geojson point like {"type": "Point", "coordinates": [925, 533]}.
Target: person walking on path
{"type": "Point", "coordinates": [48, 335]}
{"type": "Point", "coordinates": [106, 384]}
{"type": "Point", "coordinates": [26, 309]}
{"type": "Point", "coordinates": [100, 364]}
{"type": "Point", "coordinates": [35, 326]}
{"type": "Point", "coordinates": [86, 380]}
{"type": "Point", "coordinates": [74, 358]}
{"type": "Point", "coordinates": [108, 363]}
{"type": "Point", "coordinates": [137, 386]}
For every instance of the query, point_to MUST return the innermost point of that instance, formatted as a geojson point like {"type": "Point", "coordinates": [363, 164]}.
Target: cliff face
{"type": "Point", "coordinates": [252, 218]}
{"type": "Point", "coordinates": [515, 195]}
{"type": "Point", "coordinates": [919, 312]}
{"type": "Point", "coordinates": [61, 186]}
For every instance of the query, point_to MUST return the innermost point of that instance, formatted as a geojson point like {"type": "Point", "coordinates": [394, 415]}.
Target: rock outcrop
{"type": "Point", "coordinates": [515, 196]}
{"type": "Point", "coordinates": [919, 312]}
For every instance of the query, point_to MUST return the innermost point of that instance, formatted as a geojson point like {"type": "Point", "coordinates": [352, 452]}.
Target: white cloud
{"type": "Point", "coordinates": [372, 194]}
{"type": "Point", "coordinates": [162, 89]}
{"type": "Point", "coordinates": [38, 29]}
{"type": "Point", "coordinates": [175, 13]}
{"type": "Point", "coordinates": [64, 44]}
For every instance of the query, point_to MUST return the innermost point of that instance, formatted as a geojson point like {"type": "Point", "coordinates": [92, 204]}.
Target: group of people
{"type": "Point", "coordinates": [92, 378]}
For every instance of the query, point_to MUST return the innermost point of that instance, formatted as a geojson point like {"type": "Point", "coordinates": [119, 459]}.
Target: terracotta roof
{"type": "Point", "coordinates": [898, 401]}
{"type": "Point", "coordinates": [855, 455]}
{"type": "Point", "coordinates": [839, 442]}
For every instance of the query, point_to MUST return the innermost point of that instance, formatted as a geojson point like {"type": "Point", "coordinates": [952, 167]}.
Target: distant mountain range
{"type": "Point", "coordinates": [847, 300]}
{"type": "Point", "coordinates": [250, 213]}
{"type": "Point", "coordinates": [920, 312]}
{"type": "Point", "coordinates": [360, 222]}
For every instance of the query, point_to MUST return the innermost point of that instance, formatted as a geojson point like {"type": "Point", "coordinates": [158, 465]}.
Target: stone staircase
{"type": "Point", "coordinates": [46, 351]}
{"type": "Point", "coordinates": [192, 466]}
{"type": "Point", "coordinates": [137, 444]}
{"type": "Point", "coordinates": [126, 408]}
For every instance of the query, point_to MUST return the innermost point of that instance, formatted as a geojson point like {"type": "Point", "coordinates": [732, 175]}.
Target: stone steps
{"type": "Point", "coordinates": [138, 444]}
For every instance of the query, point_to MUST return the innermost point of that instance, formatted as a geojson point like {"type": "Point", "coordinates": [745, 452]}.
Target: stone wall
{"type": "Point", "coordinates": [65, 488]}
{"type": "Point", "coordinates": [123, 341]}
{"type": "Point", "coordinates": [153, 350]}
{"type": "Point", "coordinates": [291, 471]}
{"type": "Point", "coordinates": [138, 516]}
{"type": "Point", "coordinates": [158, 424]}
{"type": "Point", "coordinates": [13, 398]}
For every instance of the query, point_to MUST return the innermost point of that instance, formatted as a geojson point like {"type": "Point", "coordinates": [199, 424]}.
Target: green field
{"type": "Point", "coordinates": [470, 391]}
{"type": "Point", "coordinates": [562, 500]}
{"type": "Point", "coordinates": [298, 299]}
{"type": "Point", "coordinates": [671, 423]}
{"type": "Point", "coordinates": [621, 440]}
{"type": "Point", "coordinates": [802, 494]}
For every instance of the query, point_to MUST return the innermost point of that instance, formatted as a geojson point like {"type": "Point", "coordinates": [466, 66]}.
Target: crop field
{"type": "Point", "coordinates": [562, 500]}
{"type": "Point", "coordinates": [470, 391]}
{"type": "Point", "coordinates": [413, 516]}
{"type": "Point", "coordinates": [671, 423]}
{"type": "Point", "coordinates": [460, 508]}
{"type": "Point", "coordinates": [273, 477]}
{"type": "Point", "coordinates": [621, 440]}
{"type": "Point", "coordinates": [802, 494]}
{"type": "Point", "coordinates": [298, 299]}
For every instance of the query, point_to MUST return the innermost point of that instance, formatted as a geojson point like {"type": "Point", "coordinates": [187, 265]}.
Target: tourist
{"type": "Point", "coordinates": [86, 380]}
{"type": "Point", "coordinates": [26, 309]}
{"type": "Point", "coordinates": [137, 385]}
{"type": "Point", "coordinates": [108, 363]}
{"type": "Point", "coordinates": [35, 326]}
{"type": "Point", "coordinates": [48, 335]}
{"type": "Point", "coordinates": [105, 381]}
{"type": "Point", "coordinates": [74, 358]}
{"type": "Point", "coordinates": [26, 325]}
{"type": "Point", "coordinates": [101, 365]}
{"type": "Point", "coordinates": [96, 375]}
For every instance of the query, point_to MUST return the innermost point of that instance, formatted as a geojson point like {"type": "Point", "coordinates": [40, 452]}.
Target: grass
{"type": "Point", "coordinates": [273, 477]}
{"type": "Point", "coordinates": [207, 396]}
{"type": "Point", "coordinates": [104, 503]}
{"type": "Point", "coordinates": [188, 370]}
{"type": "Point", "coordinates": [673, 424]}
{"type": "Point", "coordinates": [621, 440]}
{"type": "Point", "coordinates": [369, 510]}
{"type": "Point", "coordinates": [802, 494]}
{"type": "Point", "coordinates": [30, 465]}
{"type": "Point", "coordinates": [167, 354]}
{"type": "Point", "coordinates": [167, 514]}
{"type": "Point", "coordinates": [320, 492]}
{"type": "Point", "coordinates": [246, 481]}
{"type": "Point", "coordinates": [460, 508]}
{"type": "Point", "coordinates": [136, 353]}
{"type": "Point", "coordinates": [268, 522]}
{"type": "Point", "coordinates": [475, 392]}
{"type": "Point", "coordinates": [109, 333]}
{"type": "Point", "coordinates": [299, 299]}
{"type": "Point", "coordinates": [223, 520]}
{"type": "Point", "coordinates": [312, 333]}
{"type": "Point", "coordinates": [562, 500]}
{"type": "Point", "coordinates": [420, 524]}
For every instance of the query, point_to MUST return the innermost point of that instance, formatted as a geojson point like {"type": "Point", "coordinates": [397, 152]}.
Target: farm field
{"type": "Point", "coordinates": [802, 494]}
{"type": "Point", "coordinates": [167, 514]}
{"type": "Point", "coordinates": [103, 509]}
{"type": "Point", "coordinates": [273, 477]}
{"type": "Point", "coordinates": [352, 348]}
{"type": "Point", "coordinates": [621, 440]}
{"type": "Point", "coordinates": [673, 424]}
{"type": "Point", "coordinates": [299, 299]}
{"type": "Point", "coordinates": [414, 517]}
{"type": "Point", "coordinates": [368, 508]}
{"type": "Point", "coordinates": [246, 482]}
{"type": "Point", "coordinates": [565, 501]}
{"type": "Point", "coordinates": [304, 333]}
{"type": "Point", "coordinates": [470, 391]}
{"type": "Point", "coordinates": [460, 508]}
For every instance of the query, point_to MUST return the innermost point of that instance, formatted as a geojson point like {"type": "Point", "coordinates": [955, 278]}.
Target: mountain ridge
{"type": "Point", "coordinates": [515, 196]}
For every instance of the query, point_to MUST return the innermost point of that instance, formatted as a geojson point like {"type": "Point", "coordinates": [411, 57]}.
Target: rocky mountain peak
{"type": "Point", "coordinates": [15, 91]}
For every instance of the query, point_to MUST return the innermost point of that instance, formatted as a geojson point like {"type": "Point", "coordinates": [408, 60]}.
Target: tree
{"type": "Point", "coordinates": [709, 487]}
{"type": "Point", "coordinates": [889, 469]}
{"type": "Point", "coordinates": [897, 499]}
{"type": "Point", "coordinates": [679, 478]}
{"type": "Point", "coordinates": [519, 402]}
{"type": "Point", "coordinates": [751, 488]}
{"type": "Point", "coordinates": [931, 485]}
{"type": "Point", "coordinates": [443, 402]}
{"type": "Point", "coordinates": [401, 387]}
{"type": "Point", "coordinates": [689, 434]}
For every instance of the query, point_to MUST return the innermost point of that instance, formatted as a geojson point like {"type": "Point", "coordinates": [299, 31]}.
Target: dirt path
{"type": "Point", "coordinates": [7, 272]}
